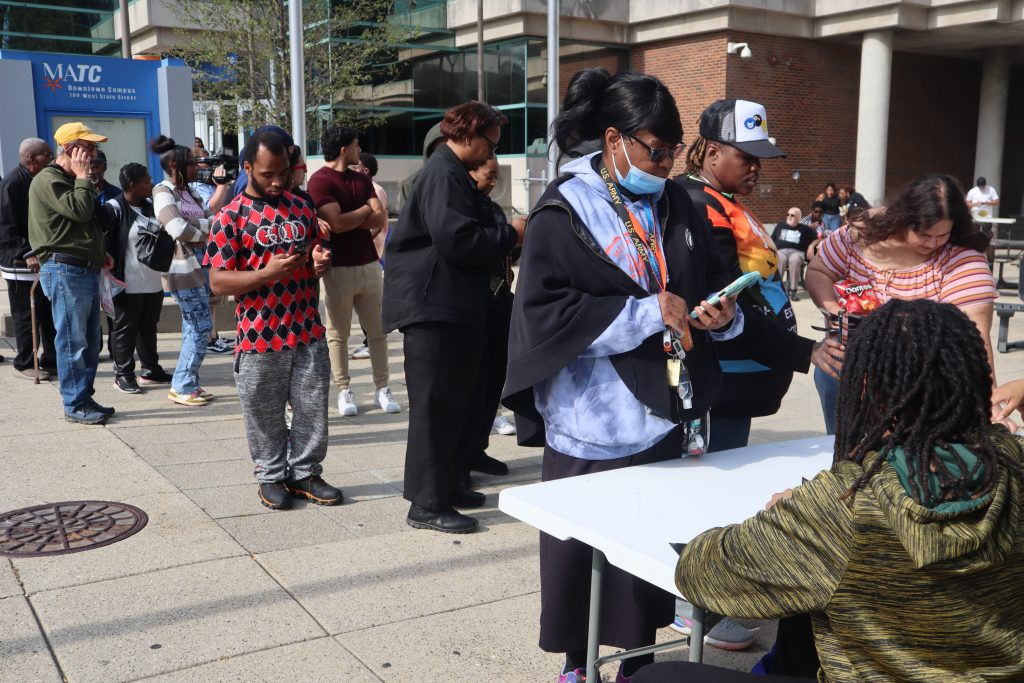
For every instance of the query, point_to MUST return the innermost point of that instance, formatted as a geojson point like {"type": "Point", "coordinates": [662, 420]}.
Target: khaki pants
{"type": "Point", "coordinates": [359, 288]}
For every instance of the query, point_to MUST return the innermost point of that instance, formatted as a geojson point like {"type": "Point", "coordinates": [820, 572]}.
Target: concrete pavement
{"type": "Point", "coordinates": [218, 588]}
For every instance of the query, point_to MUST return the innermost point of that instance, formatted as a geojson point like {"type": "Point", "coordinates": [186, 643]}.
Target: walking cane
{"type": "Point", "coordinates": [35, 333]}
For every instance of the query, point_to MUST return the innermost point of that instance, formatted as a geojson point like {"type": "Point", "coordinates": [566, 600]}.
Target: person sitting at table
{"type": "Point", "coordinates": [921, 245]}
{"type": "Point", "coordinates": [611, 260]}
{"type": "Point", "coordinates": [908, 554]}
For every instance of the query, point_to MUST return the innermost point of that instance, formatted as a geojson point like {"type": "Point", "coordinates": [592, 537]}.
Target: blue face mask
{"type": "Point", "coordinates": [637, 181]}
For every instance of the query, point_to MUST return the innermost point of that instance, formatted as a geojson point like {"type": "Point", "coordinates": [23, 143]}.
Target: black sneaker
{"type": "Point", "coordinates": [446, 521]}
{"type": "Point", "coordinates": [316, 490]}
{"type": "Point", "coordinates": [127, 385]}
{"type": "Point", "coordinates": [93, 405]}
{"type": "Point", "coordinates": [155, 377]}
{"type": "Point", "coordinates": [275, 496]}
{"type": "Point", "coordinates": [85, 415]}
{"type": "Point", "coordinates": [219, 345]}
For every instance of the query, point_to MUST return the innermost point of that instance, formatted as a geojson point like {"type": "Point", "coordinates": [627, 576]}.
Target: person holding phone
{"type": "Point", "coordinates": [67, 236]}
{"type": "Point", "coordinates": [606, 367]}
{"type": "Point", "coordinates": [723, 164]}
{"type": "Point", "coordinates": [265, 247]}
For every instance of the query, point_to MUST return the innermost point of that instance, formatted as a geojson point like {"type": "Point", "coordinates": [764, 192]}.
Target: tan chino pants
{"type": "Point", "coordinates": [357, 288]}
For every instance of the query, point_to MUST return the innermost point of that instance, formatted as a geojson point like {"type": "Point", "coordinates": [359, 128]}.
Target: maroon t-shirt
{"type": "Point", "coordinates": [350, 189]}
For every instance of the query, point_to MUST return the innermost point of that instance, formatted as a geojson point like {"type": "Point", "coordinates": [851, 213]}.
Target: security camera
{"type": "Point", "coordinates": [741, 49]}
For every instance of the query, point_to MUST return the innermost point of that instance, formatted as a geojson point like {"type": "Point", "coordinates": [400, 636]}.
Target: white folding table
{"type": "Point", "coordinates": [630, 516]}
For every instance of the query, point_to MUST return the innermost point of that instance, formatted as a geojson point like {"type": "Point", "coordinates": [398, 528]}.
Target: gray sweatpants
{"type": "Point", "coordinates": [265, 382]}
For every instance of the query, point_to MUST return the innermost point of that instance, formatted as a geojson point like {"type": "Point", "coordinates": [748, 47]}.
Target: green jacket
{"type": "Point", "coordinates": [896, 591]}
{"type": "Point", "coordinates": [62, 217]}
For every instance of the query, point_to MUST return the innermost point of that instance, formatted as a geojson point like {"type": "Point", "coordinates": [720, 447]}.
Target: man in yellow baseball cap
{"type": "Point", "coordinates": [70, 132]}
{"type": "Point", "coordinates": [65, 231]}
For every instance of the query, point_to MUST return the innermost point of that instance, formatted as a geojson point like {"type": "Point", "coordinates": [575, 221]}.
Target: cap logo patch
{"type": "Point", "coordinates": [755, 121]}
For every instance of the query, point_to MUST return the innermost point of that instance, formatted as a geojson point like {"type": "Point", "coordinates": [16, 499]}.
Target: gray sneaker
{"type": "Point", "coordinates": [728, 635]}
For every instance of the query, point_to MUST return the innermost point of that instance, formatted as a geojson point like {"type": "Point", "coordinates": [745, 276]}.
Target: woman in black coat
{"type": "Point", "coordinates": [436, 290]}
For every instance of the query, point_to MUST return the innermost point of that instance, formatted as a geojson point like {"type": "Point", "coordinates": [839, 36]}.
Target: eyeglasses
{"type": "Point", "coordinates": [492, 143]}
{"type": "Point", "coordinates": [659, 154]}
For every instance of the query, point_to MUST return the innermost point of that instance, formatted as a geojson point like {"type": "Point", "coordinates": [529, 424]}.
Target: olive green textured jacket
{"type": "Point", "coordinates": [896, 591]}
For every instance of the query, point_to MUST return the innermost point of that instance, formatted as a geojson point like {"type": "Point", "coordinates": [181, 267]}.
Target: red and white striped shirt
{"type": "Point", "coordinates": [954, 275]}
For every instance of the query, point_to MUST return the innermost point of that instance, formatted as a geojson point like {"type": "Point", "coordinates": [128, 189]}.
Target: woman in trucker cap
{"type": "Point", "coordinates": [722, 164]}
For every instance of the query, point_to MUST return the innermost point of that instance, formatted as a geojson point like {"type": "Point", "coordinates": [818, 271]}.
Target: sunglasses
{"type": "Point", "coordinates": [492, 143]}
{"type": "Point", "coordinates": [790, 215]}
{"type": "Point", "coordinates": [659, 154]}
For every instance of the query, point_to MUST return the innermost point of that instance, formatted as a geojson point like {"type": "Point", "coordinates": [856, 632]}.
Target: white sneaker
{"type": "Point", "coordinates": [503, 426]}
{"type": "Point", "coordinates": [347, 403]}
{"type": "Point", "coordinates": [362, 353]}
{"type": "Point", "coordinates": [386, 401]}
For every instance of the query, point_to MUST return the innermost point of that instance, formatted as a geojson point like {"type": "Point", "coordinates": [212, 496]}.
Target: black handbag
{"type": "Point", "coordinates": [154, 247]}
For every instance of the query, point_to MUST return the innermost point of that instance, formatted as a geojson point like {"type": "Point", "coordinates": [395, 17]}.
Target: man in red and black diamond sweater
{"type": "Point", "coordinates": [264, 249]}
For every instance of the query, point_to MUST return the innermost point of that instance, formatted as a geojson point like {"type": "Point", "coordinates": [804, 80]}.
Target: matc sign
{"type": "Point", "coordinates": [74, 73]}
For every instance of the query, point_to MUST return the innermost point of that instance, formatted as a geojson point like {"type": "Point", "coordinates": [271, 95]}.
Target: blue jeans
{"type": "Point", "coordinates": [195, 334]}
{"type": "Point", "coordinates": [828, 392]}
{"type": "Point", "coordinates": [74, 294]}
{"type": "Point", "coordinates": [832, 222]}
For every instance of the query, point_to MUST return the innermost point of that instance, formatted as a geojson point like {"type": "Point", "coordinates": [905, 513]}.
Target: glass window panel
{"type": "Point", "coordinates": [537, 131]}
{"type": "Point", "coordinates": [513, 134]}
{"type": "Point", "coordinates": [504, 81]}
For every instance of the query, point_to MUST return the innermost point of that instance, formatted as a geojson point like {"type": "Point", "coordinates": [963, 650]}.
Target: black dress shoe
{"type": "Point", "coordinates": [448, 521]}
{"type": "Point", "coordinates": [469, 499]}
{"type": "Point", "coordinates": [275, 496]}
{"type": "Point", "coordinates": [488, 465]}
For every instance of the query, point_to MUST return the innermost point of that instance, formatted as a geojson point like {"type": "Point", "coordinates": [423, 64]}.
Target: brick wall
{"type": "Point", "coordinates": [693, 68]}
{"type": "Point", "coordinates": [569, 64]}
{"type": "Point", "coordinates": [809, 90]}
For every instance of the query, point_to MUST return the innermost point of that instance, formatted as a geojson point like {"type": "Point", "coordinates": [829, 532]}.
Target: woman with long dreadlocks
{"type": "Point", "coordinates": [921, 245]}
{"type": "Point", "coordinates": [908, 554]}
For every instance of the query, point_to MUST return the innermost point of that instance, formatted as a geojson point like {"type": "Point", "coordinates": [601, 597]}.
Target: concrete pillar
{"type": "Point", "coordinates": [174, 89]}
{"type": "Point", "coordinates": [17, 113]}
{"type": "Point", "coordinates": [873, 114]}
{"type": "Point", "coordinates": [995, 91]}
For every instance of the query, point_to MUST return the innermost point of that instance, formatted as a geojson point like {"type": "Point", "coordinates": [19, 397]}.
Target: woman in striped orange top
{"type": "Point", "coordinates": [922, 245]}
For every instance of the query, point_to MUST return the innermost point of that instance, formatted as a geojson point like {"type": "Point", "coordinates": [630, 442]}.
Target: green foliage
{"type": "Point", "coordinates": [348, 44]}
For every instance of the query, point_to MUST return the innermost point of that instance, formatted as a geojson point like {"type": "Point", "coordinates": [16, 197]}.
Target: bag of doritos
{"type": "Point", "coordinates": [857, 298]}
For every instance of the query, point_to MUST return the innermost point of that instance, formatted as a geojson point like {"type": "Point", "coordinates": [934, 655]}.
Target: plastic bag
{"type": "Point", "coordinates": [110, 287]}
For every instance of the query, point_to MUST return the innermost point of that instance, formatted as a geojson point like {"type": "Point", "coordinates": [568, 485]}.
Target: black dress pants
{"type": "Point", "coordinates": [21, 312]}
{"type": "Point", "coordinates": [135, 320]}
{"type": "Point", "coordinates": [495, 364]}
{"type": "Point", "coordinates": [443, 364]}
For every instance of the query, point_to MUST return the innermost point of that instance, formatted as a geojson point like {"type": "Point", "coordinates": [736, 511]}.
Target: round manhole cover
{"type": "Point", "coordinates": [61, 528]}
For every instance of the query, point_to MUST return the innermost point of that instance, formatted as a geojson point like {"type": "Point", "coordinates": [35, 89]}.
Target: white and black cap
{"type": "Point", "coordinates": [742, 124]}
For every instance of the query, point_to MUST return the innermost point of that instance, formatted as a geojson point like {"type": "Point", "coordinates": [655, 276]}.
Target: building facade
{"type": "Point", "coordinates": [867, 93]}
